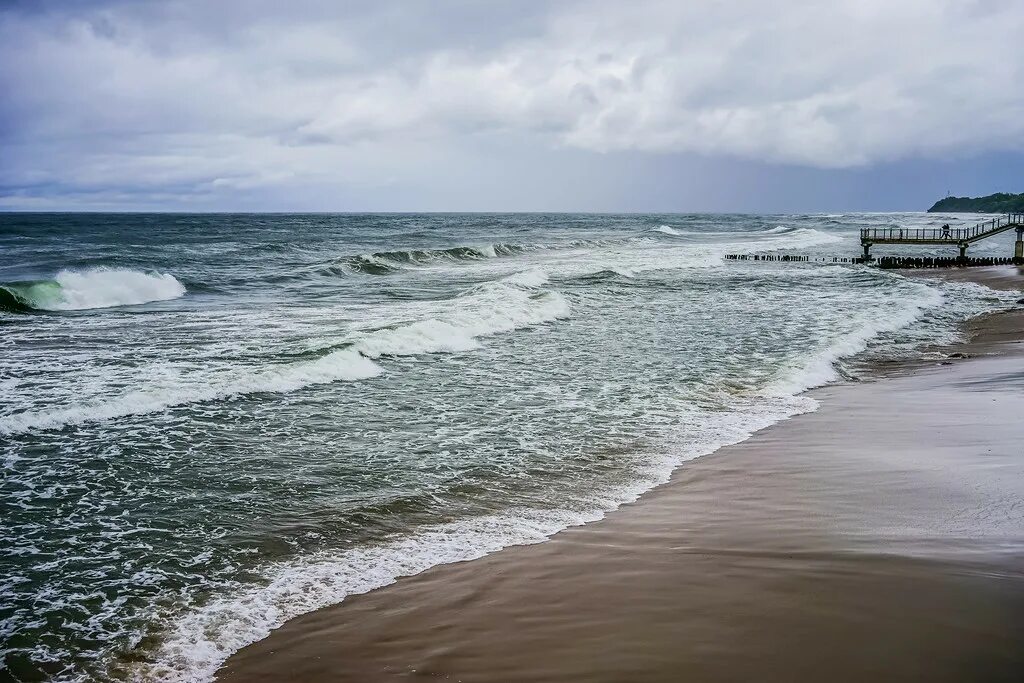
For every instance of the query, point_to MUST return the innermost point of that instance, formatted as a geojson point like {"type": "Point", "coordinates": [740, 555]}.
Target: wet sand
{"type": "Point", "coordinates": [879, 538]}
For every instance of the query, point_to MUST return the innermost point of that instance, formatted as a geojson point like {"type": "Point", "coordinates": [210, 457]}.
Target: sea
{"type": "Point", "coordinates": [212, 423]}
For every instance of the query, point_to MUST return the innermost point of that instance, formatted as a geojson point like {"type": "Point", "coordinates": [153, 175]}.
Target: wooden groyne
{"type": "Point", "coordinates": [883, 262]}
{"type": "Point", "coordinates": [947, 262]}
{"type": "Point", "coordinates": [792, 258]}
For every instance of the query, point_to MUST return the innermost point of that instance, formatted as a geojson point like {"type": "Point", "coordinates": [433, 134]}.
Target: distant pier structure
{"type": "Point", "coordinates": [946, 236]}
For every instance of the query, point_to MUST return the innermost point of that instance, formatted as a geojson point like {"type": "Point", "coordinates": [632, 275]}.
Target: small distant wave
{"type": "Point", "coordinates": [75, 290]}
{"type": "Point", "coordinates": [365, 263]}
{"type": "Point", "coordinates": [453, 253]}
{"type": "Point", "coordinates": [608, 273]}
{"type": "Point", "coordinates": [800, 238]}
{"type": "Point", "coordinates": [387, 262]}
{"type": "Point", "coordinates": [680, 232]}
{"type": "Point", "coordinates": [777, 230]}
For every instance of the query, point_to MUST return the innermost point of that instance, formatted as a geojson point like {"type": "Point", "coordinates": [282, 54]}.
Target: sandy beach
{"type": "Point", "coordinates": [878, 538]}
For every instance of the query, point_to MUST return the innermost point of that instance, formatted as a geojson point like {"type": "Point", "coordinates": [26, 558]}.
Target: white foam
{"type": "Point", "coordinates": [108, 287]}
{"type": "Point", "coordinates": [819, 368]}
{"type": "Point", "coordinates": [159, 395]}
{"type": "Point", "coordinates": [528, 278]}
{"type": "Point", "coordinates": [491, 309]}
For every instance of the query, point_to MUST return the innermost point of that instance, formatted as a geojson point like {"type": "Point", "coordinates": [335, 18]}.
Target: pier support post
{"type": "Point", "coordinates": [963, 252]}
{"type": "Point", "coordinates": [1018, 248]}
{"type": "Point", "coordinates": [867, 251]}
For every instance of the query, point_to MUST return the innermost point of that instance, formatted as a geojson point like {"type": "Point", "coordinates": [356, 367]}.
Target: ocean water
{"type": "Point", "coordinates": [212, 423]}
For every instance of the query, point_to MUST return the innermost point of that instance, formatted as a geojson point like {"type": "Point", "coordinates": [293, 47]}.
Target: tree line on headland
{"type": "Point", "coordinates": [1000, 202]}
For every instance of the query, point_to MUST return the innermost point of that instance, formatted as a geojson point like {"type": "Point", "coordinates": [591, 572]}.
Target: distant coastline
{"type": "Point", "coordinates": [1000, 202]}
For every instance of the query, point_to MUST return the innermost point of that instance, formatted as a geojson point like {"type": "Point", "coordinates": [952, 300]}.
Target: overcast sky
{"type": "Point", "coordinates": [685, 105]}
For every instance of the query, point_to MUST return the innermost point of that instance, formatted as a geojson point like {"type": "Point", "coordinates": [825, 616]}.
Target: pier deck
{"type": "Point", "coordinates": [958, 237]}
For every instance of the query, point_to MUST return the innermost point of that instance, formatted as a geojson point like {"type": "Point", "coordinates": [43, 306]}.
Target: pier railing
{"type": "Point", "coordinates": [952, 235]}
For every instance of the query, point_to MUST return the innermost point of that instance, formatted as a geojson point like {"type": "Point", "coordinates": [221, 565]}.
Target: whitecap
{"type": "Point", "coordinates": [108, 287]}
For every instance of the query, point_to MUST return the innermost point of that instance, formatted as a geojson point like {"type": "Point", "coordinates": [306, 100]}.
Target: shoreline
{"type": "Point", "coordinates": [840, 544]}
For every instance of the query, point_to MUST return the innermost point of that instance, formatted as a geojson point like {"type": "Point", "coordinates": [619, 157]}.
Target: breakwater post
{"type": "Point", "coordinates": [792, 258]}
{"type": "Point", "coordinates": [885, 262]}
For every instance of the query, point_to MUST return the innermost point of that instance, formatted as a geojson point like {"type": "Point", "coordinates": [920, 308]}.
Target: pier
{"type": "Point", "coordinates": [946, 236]}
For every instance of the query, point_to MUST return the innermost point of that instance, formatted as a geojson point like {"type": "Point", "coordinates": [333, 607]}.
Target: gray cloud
{"type": "Point", "coordinates": [228, 97]}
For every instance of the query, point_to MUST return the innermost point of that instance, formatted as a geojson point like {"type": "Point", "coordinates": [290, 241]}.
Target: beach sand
{"type": "Point", "coordinates": [879, 538]}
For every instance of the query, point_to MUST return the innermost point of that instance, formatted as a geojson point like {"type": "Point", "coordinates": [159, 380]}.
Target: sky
{"type": "Point", "coordinates": [527, 105]}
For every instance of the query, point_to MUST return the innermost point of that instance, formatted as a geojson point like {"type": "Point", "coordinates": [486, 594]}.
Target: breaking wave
{"type": "Point", "coordinates": [73, 290]}
{"type": "Point", "coordinates": [489, 309]}
{"type": "Point", "coordinates": [819, 366]}
{"type": "Point", "coordinates": [159, 395]}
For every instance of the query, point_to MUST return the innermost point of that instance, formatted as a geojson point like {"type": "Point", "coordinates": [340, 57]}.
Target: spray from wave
{"type": "Point", "coordinates": [73, 290]}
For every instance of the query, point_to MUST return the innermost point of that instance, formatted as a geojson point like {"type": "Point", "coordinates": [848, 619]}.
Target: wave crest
{"type": "Point", "coordinates": [387, 262]}
{"type": "Point", "coordinates": [666, 230]}
{"type": "Point", "coordinates": [76, 290]}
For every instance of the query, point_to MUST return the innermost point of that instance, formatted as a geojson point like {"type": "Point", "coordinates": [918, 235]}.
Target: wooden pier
{"type": "Point", "coordinates": [946, 236]}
